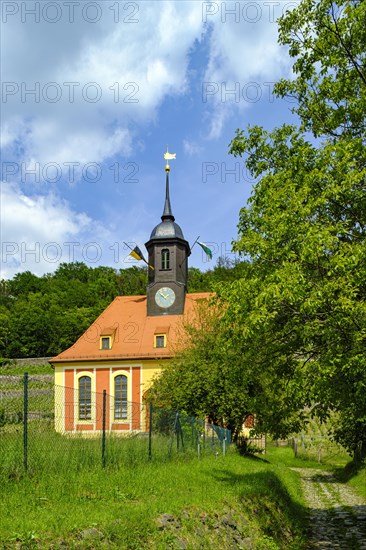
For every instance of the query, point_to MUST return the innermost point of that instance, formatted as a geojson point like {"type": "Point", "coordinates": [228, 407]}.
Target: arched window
{"type": "Point", "coordinates": [120, 397]}
{"type": "Point", "coordinates": [85, 398]}
{"type": "Point", "coordinates": [165, 259]}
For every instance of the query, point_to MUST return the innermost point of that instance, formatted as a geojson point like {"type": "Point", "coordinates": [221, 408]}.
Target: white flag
{"type": "Point", "coordinates": [170, 156]}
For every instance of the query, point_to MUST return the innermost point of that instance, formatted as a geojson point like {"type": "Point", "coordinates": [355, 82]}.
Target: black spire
{"type": "Point", "coordinates": [167, 214]}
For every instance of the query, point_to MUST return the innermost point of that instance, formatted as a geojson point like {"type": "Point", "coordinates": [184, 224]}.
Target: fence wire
{"type": "Point", "coordinates": [47, 428]}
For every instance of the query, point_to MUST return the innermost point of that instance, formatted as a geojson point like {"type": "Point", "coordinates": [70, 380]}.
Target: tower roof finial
{"type": "Point", "coordinates": [168, 156]}
{"type": "Point", "coordinates": [168, 214]}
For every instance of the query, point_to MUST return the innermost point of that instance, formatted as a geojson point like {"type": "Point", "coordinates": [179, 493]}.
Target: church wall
{"type": "Point", "coordinates": [139, 377]}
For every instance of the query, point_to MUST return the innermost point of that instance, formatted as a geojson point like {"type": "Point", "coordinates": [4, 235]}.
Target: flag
{"type": "Point", "coordinates": [137, 254]}
{"type": "Point", "coordinates": [206, 249]}
{"type": "Point", "coordinates": [170, 156]}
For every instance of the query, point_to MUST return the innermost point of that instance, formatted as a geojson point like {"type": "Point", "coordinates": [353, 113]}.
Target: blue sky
{"type": "Point", "coordinates": [94, 91]}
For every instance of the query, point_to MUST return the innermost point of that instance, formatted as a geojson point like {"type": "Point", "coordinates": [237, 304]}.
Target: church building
{"type": "Point", "coordinates": [127, 345]}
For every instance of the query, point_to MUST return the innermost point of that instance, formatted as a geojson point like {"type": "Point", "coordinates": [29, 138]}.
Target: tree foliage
{"type": "Point", "coordinates": [42, 316]}
{"type": "Point", "coordinates": [304, 227]}
{"type": "Point", "coordinates": [205, 377]}
{"type": "Point", "coordinates": [327, 39]}
{"type": "Point", "coordinates": [304, 231]}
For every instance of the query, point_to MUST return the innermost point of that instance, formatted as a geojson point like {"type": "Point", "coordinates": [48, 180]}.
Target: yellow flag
{"type": "Point", "coordinates": [138, 255]}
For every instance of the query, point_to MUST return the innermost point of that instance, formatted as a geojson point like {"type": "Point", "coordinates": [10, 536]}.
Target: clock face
{"type": "Point", "coordinates": [165, 297]}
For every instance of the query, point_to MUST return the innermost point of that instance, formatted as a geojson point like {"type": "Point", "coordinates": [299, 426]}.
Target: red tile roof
{"type": "Point", "coordinates": [132, 331]}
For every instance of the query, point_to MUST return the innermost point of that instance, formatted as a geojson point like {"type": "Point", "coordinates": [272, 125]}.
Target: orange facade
{"type": "Point", "coordinates": [102, 380]}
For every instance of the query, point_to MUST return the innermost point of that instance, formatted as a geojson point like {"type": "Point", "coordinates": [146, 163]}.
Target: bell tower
{"type": "Point", "coordinates": [168, 256]}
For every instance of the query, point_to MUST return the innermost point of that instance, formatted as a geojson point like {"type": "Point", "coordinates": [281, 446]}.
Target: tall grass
{"type": "Point", "coordinates": [13, 368]}
{"type": "Point", "coordinates": [51, 452]}
{"type": "Point", "coordinates": [121, 506]}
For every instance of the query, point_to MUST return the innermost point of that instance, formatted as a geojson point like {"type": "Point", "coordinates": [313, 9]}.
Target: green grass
{"type": "Point", "coordinates": [18, 369]}
{"type": "Point", "coordinates": [358, 481]}
{"type": "Point", "coordinates": [122, 505]}
{"type": "Point", "coordinates": [285, 456]}
{"type": "Point", "coordinates": [50, 453]}
{"type": "Point", "coordinates": [355, 475]}
{"type": "Point", "coordinates": [341, 465]}
{"type": "Point", "coordinates": [67, 499]}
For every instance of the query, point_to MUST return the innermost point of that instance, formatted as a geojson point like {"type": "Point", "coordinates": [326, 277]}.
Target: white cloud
{"type": "Point", "coordinates": [191, 148]}
{"type": "Point", "coordinates": [45, 145]}
{"type": "Point", "coordinates": [132, 67]}
{"type": "Point", "coordinates": [245, 60]}
{"type": "Point", "coordinates": [37, 232]}
{"type": "Point", "coordinates": [89, 98]}
{"type": "Point", "coordinates": [129, 68]}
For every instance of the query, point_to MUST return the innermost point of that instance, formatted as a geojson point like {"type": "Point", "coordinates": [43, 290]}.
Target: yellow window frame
{"type": "Point", "coordinates": [101, 343]}
{"type": "Point", "coordinates": [156, 336]}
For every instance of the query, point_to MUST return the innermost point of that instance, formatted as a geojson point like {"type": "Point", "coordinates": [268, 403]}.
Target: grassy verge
{"type": "Point", "coordinates": [355, 476]}
{"type": "Point", "coordinates": [284, 456]}
{"type": "Point", "coordinates": [193, 503]}
{"type": "Point", "coordinates": [344, 469]}
{"type": "Point", "coordinates": [358, 481]}
{"type": "Point", "coordinates": [19, 369]}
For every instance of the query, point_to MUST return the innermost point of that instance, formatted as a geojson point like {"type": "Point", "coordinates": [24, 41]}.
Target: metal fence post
{"type": "Point", "coordinates": [150, 428]}
{"type": "Point", "coordinates": [177, 427]}
{"type": "Point", "coordinates": [173, 433]}
{"type": "Point", "coordinates": [295, 447]}
{"type": "Point", "coordinates": [25, 422]}
{"type": "Point", "coordinates": [103, 426]}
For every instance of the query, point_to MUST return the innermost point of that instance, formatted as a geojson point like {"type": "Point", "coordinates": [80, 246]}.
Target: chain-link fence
{"type": "Point", "coordinates": [44, 427]}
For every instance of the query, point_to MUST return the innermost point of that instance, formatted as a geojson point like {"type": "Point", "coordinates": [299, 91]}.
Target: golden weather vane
{"type": "Point", "coordinates": [168, 156]}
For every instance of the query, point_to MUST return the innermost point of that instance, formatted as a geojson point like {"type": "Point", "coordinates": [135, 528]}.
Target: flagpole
{"type": "Point", "coordinates": [194, 243]}
{"type": "Point", "coordinates": [190, 250]}
{"type": "Point", "coordinates": [143, 259]}
{"type": "Point", "coordinates": [128, 246]}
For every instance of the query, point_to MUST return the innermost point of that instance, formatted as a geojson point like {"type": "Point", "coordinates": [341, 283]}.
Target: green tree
{"type": "Point", "coordinates": [4, 330]}
{"type": "Point", "coordinates": [304, 226]}
{"type": "Point", "coordinates": [303, 229]}
{"type": "Point", "coordinates": [206, 378]}
{"type": "Point", "coordinates": [73, 271]}
{"type": "Point", "coordinates": [25, 282]}
{"type": "Point", "coordinates": [133, 281]}
{"type": "Point", "coordinates": [327, 39]}
{"type": "Point", "coordinates": [67, 326]}
{"type": "Point", "coordinates": [198, 281]}
{"type": "Point", "coordinates": [29, 327]}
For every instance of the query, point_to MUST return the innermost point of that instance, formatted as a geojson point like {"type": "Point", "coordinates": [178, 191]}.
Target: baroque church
{"type": "Point", "coordinates": [128, 344]}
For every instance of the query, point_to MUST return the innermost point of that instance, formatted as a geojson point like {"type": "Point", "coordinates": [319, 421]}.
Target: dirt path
{"type": "Point", "coordinates": [337, 513]}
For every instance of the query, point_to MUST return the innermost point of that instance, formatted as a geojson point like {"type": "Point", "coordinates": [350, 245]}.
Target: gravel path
{"type": "Point", "coordinates": [337, 513]}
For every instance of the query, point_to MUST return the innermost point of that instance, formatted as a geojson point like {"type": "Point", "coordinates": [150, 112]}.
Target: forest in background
{"type": "Point", "coordinates": [42, 316]}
